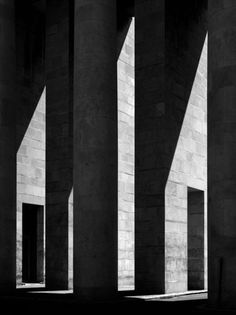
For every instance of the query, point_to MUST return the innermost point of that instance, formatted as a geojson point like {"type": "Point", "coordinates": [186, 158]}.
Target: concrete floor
{"type": "Point", "coordinates": [35, 299]}
{"type": "Point", "coordinates": [39, 301]}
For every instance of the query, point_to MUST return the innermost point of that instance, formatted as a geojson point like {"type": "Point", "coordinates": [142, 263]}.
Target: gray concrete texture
{"type": "Point", "coordinates": [188, 169]}
{"type": "Point", "coordinates": [7, 147]}
{"type": "Point", "coordinates": [59, 143]}
{"type": "Point", "coordinates": [170, 136]}
{"type": "Point", "coordinates": [95, 148]}
{"type": "Point", "coordinates": [125, 73]}
{"type": "Point", "coordinates": [221, 152]}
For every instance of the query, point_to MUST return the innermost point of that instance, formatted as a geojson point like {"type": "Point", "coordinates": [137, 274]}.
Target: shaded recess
{"type": "Point", "coordinates": [33, 243]}
{"type": "Point", "coordinates": [195, 239]}
{"type": "Point", "coordinates": [125, 12]}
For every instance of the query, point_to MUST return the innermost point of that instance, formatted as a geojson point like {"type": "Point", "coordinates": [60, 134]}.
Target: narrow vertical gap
{"type": "Point", "coordinates": [33, 243]}
{"type": "Point", "coordinates": [71, 102]}
{"type": "Point", "coordinates": [195, 239]}
{"type": "Point", "coordinates": [125, 71]}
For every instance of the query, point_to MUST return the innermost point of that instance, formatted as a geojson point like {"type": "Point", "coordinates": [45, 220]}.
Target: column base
{"type": "Point", "coordinates": [9, 289]}
{"type": "Point", "coordinates": [88, 294]}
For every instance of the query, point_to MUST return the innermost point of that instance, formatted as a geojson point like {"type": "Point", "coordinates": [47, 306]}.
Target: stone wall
{"type": "Point", "coordinates": [188, 169]}
{"type": "Point", "coordinates": [30, 171]}
{"type": "Point", "coordinates": [126, 162]}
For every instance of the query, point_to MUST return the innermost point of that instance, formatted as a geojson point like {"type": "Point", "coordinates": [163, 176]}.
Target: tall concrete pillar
{"type": "Point", "coordinates": [7, 147]}
{"type": "Point", "coordinates": [59, 142]}
{"type": "Point", "coordinates": [150, 171]}
{"type": "Point", "coordinates": [222, 153]}
{"type": "Point", "coordinates": [169, 39]}
{"type": "Point", "coordinates": [95, 148]}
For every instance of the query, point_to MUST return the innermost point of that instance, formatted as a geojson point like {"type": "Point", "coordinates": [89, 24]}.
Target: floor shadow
{"type": "Point", "coordinates": [40, 303]}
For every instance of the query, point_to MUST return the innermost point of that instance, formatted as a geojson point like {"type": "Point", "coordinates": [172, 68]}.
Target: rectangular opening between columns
{"type": "Point", "coordinates": [195, 239]}
{"type": "Point", "coordinates": [33, 243]}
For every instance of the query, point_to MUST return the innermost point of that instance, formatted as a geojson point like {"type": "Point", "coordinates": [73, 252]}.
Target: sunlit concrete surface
{"type": "Point", "coordinates": [182, 296]}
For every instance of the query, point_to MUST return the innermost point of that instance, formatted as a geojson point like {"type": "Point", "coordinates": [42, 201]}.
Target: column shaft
{"type": "Point", "coordinates": [222, 152]}
{"type": "Point", "coordinates": [59, 154]}
{"type": "Point", "coordinates": [7, 147]}
{"type": "Point", "coordinates": [150, 171]}
{"type": "Point", "coordinates": [95, 148]}
{"type": "Point", "coordinates": [169, 39]}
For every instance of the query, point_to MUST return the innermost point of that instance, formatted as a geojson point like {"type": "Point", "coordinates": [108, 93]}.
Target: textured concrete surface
{"type": "Point", "coordinates": [221, 152]}
{"type": "Point", "coordinates": [30, 138]}
{"type": "Point", "coordinates": [7, 147]}
{"type": "Point", "coordinates": [30, 172]}
{"type": "Point", "coordinates": [59, 142]}
{"type": "Point", "coordinates": [188, 170]}
{"type": "Point", "coordinates": [95, 148]}
{"type": "Point", "coordinates": [125, 70]}
{"type": "Point", "coordinates": [169, 43]}
{"type": "Point", "coordinates": [149, 106]}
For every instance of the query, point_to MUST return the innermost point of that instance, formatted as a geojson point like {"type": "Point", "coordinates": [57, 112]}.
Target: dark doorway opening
{"type": "Point", "coordinates": [195, 239]}
{"type": "Point", "coordinates": [33, 243]}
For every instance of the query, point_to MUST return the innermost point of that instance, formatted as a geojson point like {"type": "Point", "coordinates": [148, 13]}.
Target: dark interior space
{"type": "Point", "coordinates": [195, 239]}
{"type": "Point", "coordinates": [32, 243]}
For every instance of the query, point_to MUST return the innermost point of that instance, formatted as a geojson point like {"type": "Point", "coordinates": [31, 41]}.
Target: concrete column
{"type": "Point", "coordinates": [7, 148]}
{"type": "Point", "coordinates": [95, 148]}
{"type": "Point", "coordinates": [222, 153]}
{"type": "Point", "coordinates": [169, 38]}
{"type": "Point", "coordinates": [150, 171]}
{"type": "Point", "coordinates": [59, 153]}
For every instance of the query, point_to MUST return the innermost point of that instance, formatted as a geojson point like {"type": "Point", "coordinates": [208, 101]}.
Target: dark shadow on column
{"type": "Point", "coordinates": [169, 40]}
{"type": "Point", "coordinates": [59, 143]}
